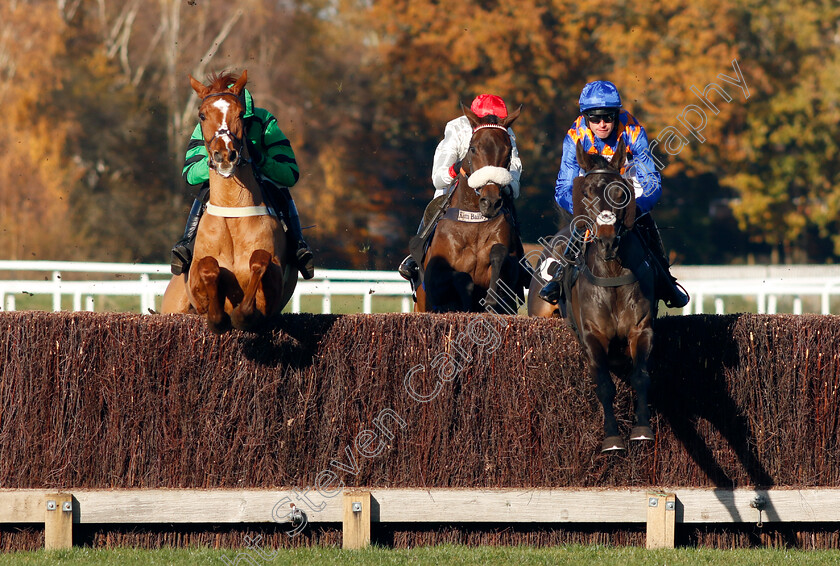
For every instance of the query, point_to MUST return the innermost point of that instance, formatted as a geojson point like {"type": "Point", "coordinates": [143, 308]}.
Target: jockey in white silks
{"type": "Point", "coordinates": [451, 150]}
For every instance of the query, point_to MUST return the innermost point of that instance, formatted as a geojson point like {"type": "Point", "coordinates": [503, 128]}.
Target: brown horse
{"type": "Point", "coordinates": [242, 273]}
{"type": "Point", "coordinates": [472, 260]}
{"type": "Point", "coordinates": [611, 302]}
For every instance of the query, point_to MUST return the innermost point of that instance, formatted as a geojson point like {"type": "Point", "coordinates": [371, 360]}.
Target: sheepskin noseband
{"type": "Point", "coordinates": [490, 174]}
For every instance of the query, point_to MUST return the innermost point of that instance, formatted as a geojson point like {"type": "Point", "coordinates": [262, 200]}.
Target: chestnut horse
{"type": "Point", "coordinates": [242, 272]}
{"type": "Point", "coordinates": [473, 259]}
{"type": "Point", "coordinates": [610, 299]}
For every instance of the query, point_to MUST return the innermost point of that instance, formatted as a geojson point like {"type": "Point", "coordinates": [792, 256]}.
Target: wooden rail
{"type": "Point", "coordinates": [358, 508]}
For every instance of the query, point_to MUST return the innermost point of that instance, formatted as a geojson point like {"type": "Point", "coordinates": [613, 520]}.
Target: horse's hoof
{"type": "Point", "coordinates": [641, 433]}
{"type": "Point", "coordinates": [613, 444]}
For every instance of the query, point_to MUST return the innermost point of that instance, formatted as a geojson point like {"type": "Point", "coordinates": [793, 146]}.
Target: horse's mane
{"type": "Point", "coordinates": [220, 82]}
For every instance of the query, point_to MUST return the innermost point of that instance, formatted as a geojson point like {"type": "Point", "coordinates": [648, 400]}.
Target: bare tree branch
{"type": "Point", "coordinates": [200, 69]}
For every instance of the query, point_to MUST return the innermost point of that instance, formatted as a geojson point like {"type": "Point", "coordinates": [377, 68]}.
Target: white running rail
{"type": "Point", "coordinates": [149, 281]}
{"type": "Point", "coordinates": [763, 284]}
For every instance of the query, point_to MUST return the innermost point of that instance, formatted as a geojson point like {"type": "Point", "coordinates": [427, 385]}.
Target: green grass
{"type": "Point", "coordinates": [442, 555]}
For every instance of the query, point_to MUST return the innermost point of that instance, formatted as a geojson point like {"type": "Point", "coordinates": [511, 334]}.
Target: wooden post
{"type": "Point", "coordinates": [356, 526]}
{"type": "Point", "coordinates": [58, 521]}
{"type": "Point", "coordinates": [661, 517]}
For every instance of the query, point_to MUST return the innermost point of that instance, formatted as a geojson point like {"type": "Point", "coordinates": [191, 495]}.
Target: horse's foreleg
{"type": "Point", "coordinates": [604, 390]}
{"type": "Point", "coordinates": [641, 343]}
{"type": "Point", "coordinates": [211, 300]}
{"type": "Point", "coordinates": [499, 295]}
{"type": "Point", "coordinates": [246, 314]}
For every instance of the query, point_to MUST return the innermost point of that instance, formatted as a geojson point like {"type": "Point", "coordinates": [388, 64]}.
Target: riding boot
{"type": "Point", "coordinates": [182, 251]}
{"type": "Point", "coordinates": [303, 254]}
{"type": "Point", "coordinates": [667, 288]}
{"type": "Point", "coordinates": [552, 291]}
{"type": "Point", "coordinates": [408, 269]}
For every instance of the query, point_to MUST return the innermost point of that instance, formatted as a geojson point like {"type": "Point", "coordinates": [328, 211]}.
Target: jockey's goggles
{"type": "Point", "coordinates": [596, 118]}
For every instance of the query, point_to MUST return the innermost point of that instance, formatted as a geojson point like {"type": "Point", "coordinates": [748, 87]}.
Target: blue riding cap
{"type": "Point", "coordinates": [599, 94]}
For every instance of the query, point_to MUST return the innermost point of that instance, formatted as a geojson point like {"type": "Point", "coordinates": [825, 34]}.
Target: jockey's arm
{"type": "Point", "coordinates": [569, 169]}
{"type": "Point", "coordinates": [515, 165]}
{"type": "Point", "coordinates": [448, 152]}
{"type": "Point", "coordinates": [646, 178]}
{"type": "Point", "coordinates": [277, 159]}
{"type": "Point", "coordinates": [196, 169]}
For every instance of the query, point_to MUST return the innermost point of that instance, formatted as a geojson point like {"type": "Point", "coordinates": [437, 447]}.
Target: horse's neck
{"type": "Point", "coordinates": [602, 267]}
{"type": "Point", "coordinates": [240, 189]}
{"type": "Point", "coordinates": [464, 197]}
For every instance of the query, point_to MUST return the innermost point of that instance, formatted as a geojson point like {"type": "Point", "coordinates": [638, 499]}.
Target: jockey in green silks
{"type": "Point", "coordinates": [275, 168]}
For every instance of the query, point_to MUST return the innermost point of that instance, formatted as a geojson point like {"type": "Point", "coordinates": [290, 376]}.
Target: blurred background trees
{"type": "Point", "coordinates": [98, 109]}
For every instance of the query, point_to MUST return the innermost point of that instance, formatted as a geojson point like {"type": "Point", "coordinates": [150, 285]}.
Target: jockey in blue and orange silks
{"type": "Point", "coordinates": [600, 126]}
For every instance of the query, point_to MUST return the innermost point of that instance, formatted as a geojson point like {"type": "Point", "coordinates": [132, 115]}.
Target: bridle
{"type": "Point", "coordinates": [608, 217]}
{"type": "Point", "coordinates": [224, 132]}
{"type": "Point", "coordinates": [477, 190]}
{"type": "Point", "coordinates": [233, 211]}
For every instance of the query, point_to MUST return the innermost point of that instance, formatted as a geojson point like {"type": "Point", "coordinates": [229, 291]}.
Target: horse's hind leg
{"type": "Point", "coordinates": [210, 297]}
{"type": "Point", "coordinates": [245, 315]}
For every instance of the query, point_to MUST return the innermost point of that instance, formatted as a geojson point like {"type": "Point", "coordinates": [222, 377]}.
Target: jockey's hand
{"type": "Point", "coordinates": [256, 155]}
{"type": "Point", "coordinates": [455, 169]}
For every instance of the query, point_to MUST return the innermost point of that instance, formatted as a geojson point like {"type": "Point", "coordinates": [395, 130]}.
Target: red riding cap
{"type": "Point", "coordinates": [486, 104]}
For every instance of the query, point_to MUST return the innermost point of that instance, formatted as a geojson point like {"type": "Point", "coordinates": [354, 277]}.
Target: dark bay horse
{"type": "Point", "coordinates": [472, 260]}
{"type": "Point", "coordinates": [242, 273]}
{"type": "Point", "coordinates": [611, 303]}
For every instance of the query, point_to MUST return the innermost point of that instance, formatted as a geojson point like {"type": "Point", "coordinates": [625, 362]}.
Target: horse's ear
{"type": "Point", "coordinates": [577, 197]}
{"type": "Point", "coordinates": [630, 212]}
{"type": "Point", "coordinates": [199, 87]}
{"type": "Point", "coordinates": [240, 83]}
{"type": "Point", "coordinates": [583, 159]}
{"type": "Point", "coordinates": [620, 156]}
{"type": "Point", "coordinates": [511, 118]}
{"type": "Point", "coordinates": [474, 120]}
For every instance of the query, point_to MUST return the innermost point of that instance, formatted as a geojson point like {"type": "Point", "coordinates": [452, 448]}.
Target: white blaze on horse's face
{"type": "Point", "coordinates": [227, 166]}
{"type": "Point", "coordinates": [222, 131]}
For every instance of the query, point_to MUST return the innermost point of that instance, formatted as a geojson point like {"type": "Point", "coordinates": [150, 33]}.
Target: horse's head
{"type": "Point", "coordinates": [220, 114]}
{"type": "Point", "coordinates": [488, 159]}
{"type": "Point", "coordinates": [604, 202]}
